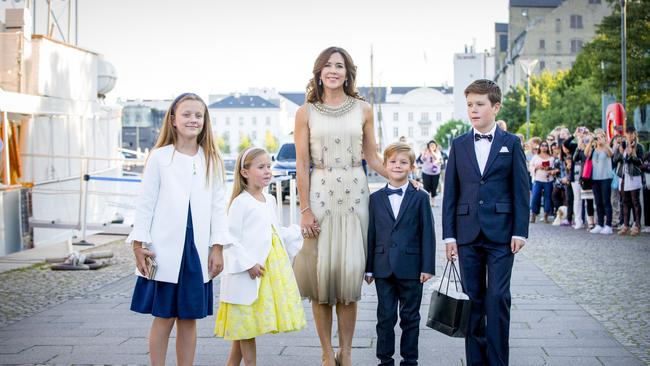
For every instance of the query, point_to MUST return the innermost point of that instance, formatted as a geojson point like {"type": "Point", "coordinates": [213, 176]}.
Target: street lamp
{"type": "Point", "coordinates": [623, 55]}
{"type": "Point", "coordinates": [528, 66]}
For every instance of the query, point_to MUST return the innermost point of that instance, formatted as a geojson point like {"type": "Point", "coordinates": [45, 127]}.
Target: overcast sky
{"type": "Point", "coordinates": [162, 47]}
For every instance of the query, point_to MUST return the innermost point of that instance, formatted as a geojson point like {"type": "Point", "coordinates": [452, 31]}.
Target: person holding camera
{"type": "Point", "coordinates": [628, 157]}
{"type": "Point", "coordinates": [601, 179]}
{"type": "Point", "coordinates": [541, 168]}
{"type": "Point", "coordinates": [580, 158]}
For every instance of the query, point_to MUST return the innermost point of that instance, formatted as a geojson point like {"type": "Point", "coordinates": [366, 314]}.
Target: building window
{"type": "Point", "coordinates": [558, 25]}
{"type": "Point", "coordinates": [410, 116]}
{"type": "Point", "coordinates": [438, 116]}
{"type": "Point", "coordinates": [254, 121]}
{"type": "Point", "coordinates": [594, 1]}
{"type": "Point", "coordinates": [241, 121]}
{"type": "Point", "coordinates": [395, 116]}
{"type": "Point", "coordinates": [576, 45]}
{"type": "Point", "coordinates": [576, 21]}
{"type": "Point", "coordinates": [227, 121]}
{"type": "Point", "coordinates": [395, 132]}
{"type": "Point", "coordinates": [558, 46]}
{"type": "Point", "coordinates": [503, 42]}
{"type": "Point", "coordinates": [425, 131]}
{"type": "Point", "coordinates": [424, 116]}
{"type": "Point", "coordinates": [410, 132]}
{"type": "Point", "coordinates": [268, 120]}
{"type": "Point", "coordinates": [542, 65]}
{"type": "Point", "coordinates": [542, 44]}
{"type": "Point", "coordinates": [254, 135]}
{"type": "Point", "coordinates": [558, 64]}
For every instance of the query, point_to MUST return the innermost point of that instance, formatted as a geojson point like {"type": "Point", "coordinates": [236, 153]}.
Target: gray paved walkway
{"type": "Point", "coordinates": [549, 327]}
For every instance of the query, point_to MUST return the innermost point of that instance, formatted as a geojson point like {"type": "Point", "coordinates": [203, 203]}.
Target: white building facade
{"type": "Point", "coordinates": [245, 115]}
{"type": "Point", "coordinates": [416, 115]}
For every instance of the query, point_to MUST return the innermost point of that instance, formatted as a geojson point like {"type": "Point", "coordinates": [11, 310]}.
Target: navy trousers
{"type": "Point", "coordinates": [485, 268]}
{"type": "Point", "coordinates": [393, 293]}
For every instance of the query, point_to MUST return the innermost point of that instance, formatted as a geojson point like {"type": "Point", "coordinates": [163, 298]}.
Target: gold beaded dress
{"type": "Point", "coordinates": [330, 268]}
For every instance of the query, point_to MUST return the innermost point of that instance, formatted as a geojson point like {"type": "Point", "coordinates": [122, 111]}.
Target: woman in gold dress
{"type": "Point", "coordinates": [333, 129]}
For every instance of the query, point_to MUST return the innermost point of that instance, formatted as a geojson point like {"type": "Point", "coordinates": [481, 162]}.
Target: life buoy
{"type": "Point", "coordinates": [615, 119]}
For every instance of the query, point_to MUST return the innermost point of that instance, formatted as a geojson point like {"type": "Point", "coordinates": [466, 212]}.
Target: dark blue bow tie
{"type": "Point", "coordinates": [394, 191]}
{"type": "Point", "coordinates": [478, 137]}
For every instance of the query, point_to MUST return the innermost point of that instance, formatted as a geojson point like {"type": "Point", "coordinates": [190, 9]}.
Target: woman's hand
{"type": "Point", "coordinates": [256, 271]}
{"type": "Point", "coordinates": [309, 225]}
{"type": "Point", "coordinates": [141, 254]}
{"type": "Point", "coordinates": [215, 260]}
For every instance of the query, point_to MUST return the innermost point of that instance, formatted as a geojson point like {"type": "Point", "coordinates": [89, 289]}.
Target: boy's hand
{"type": "Point", "coordinates": [368, 279]}
{"type": "Point", "coordinates": [256, 271]}
{"type": "Point", "coordinates": [516, 245]}
{"type": "Point", "coordinates": [451, 250]}
{"type": "Point", "coordinates": [424, 277]}
{"type": "Point", "coordinates": [215, 260]}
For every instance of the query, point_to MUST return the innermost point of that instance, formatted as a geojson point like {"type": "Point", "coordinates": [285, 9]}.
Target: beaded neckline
{"type": "Point", "coordinates": [337, 111]}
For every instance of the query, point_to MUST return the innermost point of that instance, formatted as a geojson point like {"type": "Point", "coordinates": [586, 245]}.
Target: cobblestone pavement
{"type": "Point", "coordinates": [25, 292]}
{"type": "Point", "coordinates": [82, 317]}
{"type": "Point", "coordinates": [608, 275]}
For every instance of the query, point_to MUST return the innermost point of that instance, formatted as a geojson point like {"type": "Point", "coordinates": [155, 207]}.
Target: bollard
{"type": "Point", "coordinates": [84, 211]}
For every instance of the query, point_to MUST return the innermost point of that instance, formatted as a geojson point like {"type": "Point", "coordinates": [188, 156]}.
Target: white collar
{"type": "Point", "coordinates": [494, 128]}
{"type": "Point", "coordinates": [403, 188]}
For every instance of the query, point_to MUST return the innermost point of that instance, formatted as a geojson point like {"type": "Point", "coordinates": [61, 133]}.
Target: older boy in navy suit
{"type": "Point", "coordinates": [401, 255]}
{"type": "Point", "coordinates": [485, 220]}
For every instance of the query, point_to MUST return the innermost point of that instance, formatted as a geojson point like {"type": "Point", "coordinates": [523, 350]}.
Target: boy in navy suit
{"type": "Point", "coordinates": [485, 220]}
{"type": "Point", "coordinates": [401, 255]}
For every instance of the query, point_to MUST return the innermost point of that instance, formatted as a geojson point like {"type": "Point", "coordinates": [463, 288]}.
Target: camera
{"type": "Point", "coordinates": [624, 144]}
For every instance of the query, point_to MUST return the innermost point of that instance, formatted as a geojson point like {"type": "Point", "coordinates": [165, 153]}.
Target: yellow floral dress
{"type": "Point", "coordinates": [278, 307]}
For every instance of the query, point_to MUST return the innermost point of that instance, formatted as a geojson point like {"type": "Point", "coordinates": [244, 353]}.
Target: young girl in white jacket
{"type": "Point", "coordinates": [181, 221]}
{"type": "Point", "coordinates": [259, 293]}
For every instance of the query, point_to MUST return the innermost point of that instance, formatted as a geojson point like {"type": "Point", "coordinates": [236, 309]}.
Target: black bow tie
{"type": "Point", "coordinates": [478, 137]}
{"type": "Point", "coordinates": [394, 191]}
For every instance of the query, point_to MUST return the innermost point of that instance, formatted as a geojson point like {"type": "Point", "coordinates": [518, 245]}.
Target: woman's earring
{"type": "Point", "coordinates": [346, 83]}
{"type": "Point", "coordinates": [320, 81]}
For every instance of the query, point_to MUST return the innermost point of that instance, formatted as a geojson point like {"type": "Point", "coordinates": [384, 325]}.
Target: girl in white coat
{"type": "Point", "coordinates": [259, 293]}
{"type": "Point", "coordinates": [181, 221]}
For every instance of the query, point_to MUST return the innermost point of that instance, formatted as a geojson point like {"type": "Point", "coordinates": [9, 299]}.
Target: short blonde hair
{"type": "Point", "coordinates": [399, 147]}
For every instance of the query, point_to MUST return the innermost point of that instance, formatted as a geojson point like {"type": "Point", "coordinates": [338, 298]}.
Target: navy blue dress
{"type": "Point", "coordinates": [190, 298]}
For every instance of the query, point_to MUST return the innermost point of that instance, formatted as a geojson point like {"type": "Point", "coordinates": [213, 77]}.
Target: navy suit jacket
{"type": "Point", "coordinates": [404, 246]}
{"type": "Point", "coordinates": [495, 203]}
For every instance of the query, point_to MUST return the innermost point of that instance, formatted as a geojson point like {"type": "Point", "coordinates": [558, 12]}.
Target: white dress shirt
{"type": "Point", "coordinates": [482, 149]}
{"type": "Point", "coordinates": [395, 199]}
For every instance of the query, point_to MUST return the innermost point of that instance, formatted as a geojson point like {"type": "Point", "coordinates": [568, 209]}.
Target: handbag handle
{"type": "Point", "coordinates": [452, 272]}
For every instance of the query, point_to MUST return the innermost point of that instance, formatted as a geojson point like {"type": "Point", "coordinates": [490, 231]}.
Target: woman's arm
{"type": "Point", "coordinates": [369, 144]}
{"type": "Point", "coordinates": [308, 222]}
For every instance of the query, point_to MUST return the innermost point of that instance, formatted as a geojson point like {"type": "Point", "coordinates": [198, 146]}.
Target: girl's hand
{"type": "Point", "coordinates": [256, 271]}
{"type": "Point", "coordinates": [309, 225]}
{"type": "Point", "coordinates": [140, 255]}
{"type": "Point", "coordinates": [215, 260]}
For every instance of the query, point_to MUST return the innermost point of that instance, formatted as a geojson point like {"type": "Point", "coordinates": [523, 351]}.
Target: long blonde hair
{"type": "Point", "coordinates": [244, 161]}
{"type": "Point", "coordinates": [169, 135]}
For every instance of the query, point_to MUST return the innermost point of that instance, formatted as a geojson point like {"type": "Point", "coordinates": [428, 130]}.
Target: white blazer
{"type": "Point", "coordinates": [171, 183]}
{"type": "Point", "coordinates": [250, 224]}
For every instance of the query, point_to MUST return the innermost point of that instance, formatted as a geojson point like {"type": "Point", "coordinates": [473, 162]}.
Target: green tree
{"type": "Point", "coordinates": [223, 143]}
{"type": "Point", "coordinates": [600, 59]}
{"type": "Point", "coordinates": [244, 142]}
{"type": "Point", "coordinates": [446, 129]}
{"type": "Point", "coordinates": [271, 142]}
{"type": "Point", "coordinates": [570, 105]}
